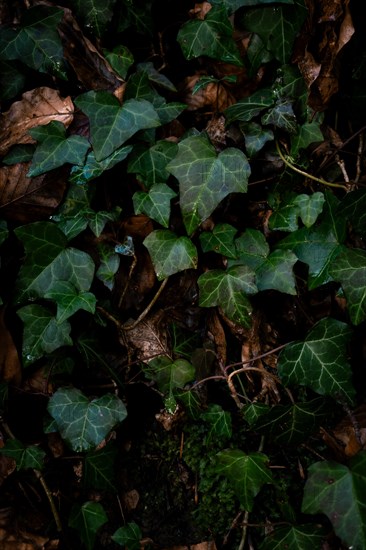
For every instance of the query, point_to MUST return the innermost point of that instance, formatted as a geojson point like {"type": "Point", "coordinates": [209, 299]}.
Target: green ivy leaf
{"type": "Point", "coordinates": [112, 124]}
{"type": "Point", "coordinates": [99, 469]}
{"type": "Point", "coordinates": [220, 240]}
{"type": "Point", "coordinates": [338, 491]}
{"type": "Point", "coordinates": [120, 59]}
{"type": "Point", "coordinates": [276, 272]}
{"type": "Point", "coordinates": [206, 178]}
{"type": "Point", "coordinates": [19, 153]}
{"type": "Point", "coordinates": [156, 77]}
{"type": "Point", "coordinates": [150, 164]}
{"type": "Point", "coordinates": [109, 264]}
{"type": "Point", "coordinates": [353, 207]}
{"type": "Point", "coordinates": [247, 474]}
{"type": "Point", "coordinates": [310, 206]}
{"type": "Point", "coordinates": [306, 537]}
{"type": "Point", "coordinates": [36, 43]}
{"type": "Point", "coordinates": [12, 82]}
{"type": "Point", "coordinates": [291, 206]}
{"type": "Point", "coordinates": [211, 37]}
{"type": "Point", "coordinates": [277, 26]}
{"type": "Point", "coordinates": [320, 362]}
{"type": "Point", "coordinates": [169, 375]}
{"type": "Point", "coordinates": [25, 456]}
{"type": "Point", "coordinates": [69, 300]}
{"type": "Point", "coordinates": [281, 116]}
{"type": "Point", "coordinates": [128, 536]}
{"type": "Point", "coordinates": [83, 424]}
{"type": "Point", "coordinates": [220, 423]}
{"type": "Point", "coordinates": [87, 520]}
{"type": "Point", "coordinates": [95, 14]}
{"type": "Point", "coordinates": [55, 149]}
{"type": "Point", "coordinates": [249, 107]}
{"type": "Point", "coordinates": [92, 168]}
{"type": "Point", "coordinates": [252, 248]}
{"type": "Point", "coordinates": [349, 268]}
{"type": "Point", "coordinates": [169, 253]}
{"type": "Point", "coordinates": [42, 333]}
{"type": "Point", "coordinates": [228, 290]}
{"type": "Point", "coordinates": [307, 134]}
{"type": "Point", "coordinates": [255, 137]}
{"type": "Point", "coordinates": [155, 203]}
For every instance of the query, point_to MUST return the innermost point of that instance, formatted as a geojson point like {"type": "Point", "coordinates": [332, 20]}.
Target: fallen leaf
{"type": "Point", "coordinates": [36, 108]}
{"type": "Point", "coordinates": [214, 95]}
{"type": "Point", "coordinates": [352, 432]}
{"type": "Point", "coordinates": [200, 10]}
{"type": "Point", "coordinates": [7, 467]}
{"type": "Point", "coordinates": [24, 199]}
{"type": "Point", "coordinates": [217, 334]}
{"type": "Point", "coordinates": [148, 338]}
{"type": "Point", "coordinates": [10, 368]}
{"type": "Point", "coordinates": [131, 500]}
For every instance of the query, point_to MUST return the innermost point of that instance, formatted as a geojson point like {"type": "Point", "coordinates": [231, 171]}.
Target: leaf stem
{"type": "Point", "coordinates": [305, 174]}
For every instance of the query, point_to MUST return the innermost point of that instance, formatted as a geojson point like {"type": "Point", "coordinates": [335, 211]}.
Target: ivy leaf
{"type": "Point", "coordinates": [109, 264]}
{"type": "Point", "coordinates": [228, 290]}
{"type": "Point", "coordinates": [87, 520]}
{"type": "Point", "coordinates": [285, 215]}
{"type": "Point", "coordinates": [277, 26]}
{"type": "Point", "coordinates": [112, 124]}
{"type": "Point", "coordinates": [150, 165]}
{"type": "Point", "coordinates": [169, 375]}
{"type": "Point", "coordinates": [349, 268]}
{"type": "Point", "coordinates": [247, 474]}
{"type": "Point", "coordinates": [281, 116]}
{"type": "Point", "coordinates": [12, 82]}
{"type": "Point", "coordinates": [220, 240]}
{"type": "Point", "coordinates": [95, 14]}
{"type": "Point", "coordinates": [338, 491]}
{"type": "Point", "coordinates": [320, 362]}
{"type": "Point", "coordinates": [155, 76]}
{"type": "Point", "coordinates": [92, 168]}
{"type": "Point", "coordinates": [307, 134]}
{"type": "Point", "coordinates": [55, 149]}
{"type": "Point", "coordinates": [246, 109]}
{"type": "Point", "coordinates": [83, 424]}
{"type": "Point", "coordinates": [252, 248]}
{"type": "Point", "coordinates": [310, 206]}
{"type": "Point", "coordinates": [128, 536]}
{"type": "Point", "coordinates": [211, 37]}
{"type": "Point", "coordinates": [155, 204]}
{"type": "Point", "coordinates": [120, 59]}
{"type": "Point", "coordinates": [169, 253]}
{"type": "Point", "coordinates": [42, 333]}
{"type": "Point", "coordinates": [99, 469]}
{"type": "Point", "coordinates": [206, 178]}
{"type": "Point", "coordinates": [276, 272]}
{"type": "Point", "coordinates": [36, 43]}
{"type": "Point", "coordinates": [220, 423]}
{"type": "Point", "coordinates": [255, 137]}
{"type": "Point", "coordinates": [19, 153]}
{"type": "Point", "coordinates": [191, 402]}
{"type": "Point", "coordinates": [69, 300]}
{"type": "Point", "coordinates": [25, 456]}
{"type": "Point", "coordinates": [353, 207]}
{"type": "Point", "coordinates": [306, 537]}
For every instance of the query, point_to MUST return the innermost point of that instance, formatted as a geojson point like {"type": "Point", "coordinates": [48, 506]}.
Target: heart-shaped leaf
{"type": "Point", "coordinates": [169, 253]}
{"type": "Point", "coordinates": [306, 537]}
{"type": "Point", "coordinates": [87, 520]}
{"type": "Point", "coordinates": [25, 456]}
{"type": "Point", "coordinates": [155, 203]}
{"type": "Point", "coordinates": [69, 300]}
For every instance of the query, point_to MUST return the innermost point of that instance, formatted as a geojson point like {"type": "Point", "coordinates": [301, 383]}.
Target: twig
{"type": "Point", "coordinates": [132, 269]}
{"type": "Point", "coordinates": [147, 309]}
{"type": "Point", "coordinates": [359, 157]}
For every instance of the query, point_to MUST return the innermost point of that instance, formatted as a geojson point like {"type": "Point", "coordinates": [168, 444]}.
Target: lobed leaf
{"type": "Point", "coordinates": [155, 204]}
{"type": "Point", "coordinates": [169, 253]}
{"type": "Point", "coordinates": [87, 520]}
{"type": "Point", "coordinates": [25, 457]}
{"type": "Point", "coordinates": [306, 537]}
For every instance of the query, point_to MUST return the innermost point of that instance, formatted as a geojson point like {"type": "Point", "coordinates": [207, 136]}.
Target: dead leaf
{"type": "Point", "coordinates": [200, 10]}
{"type": "Point", "coordinates": [10, 367]}
{"type": "Point", "coordinates": [131, 500]}
{"type": "Point", "coordinates": [22, 541]}
{"type": "Point", "coordinates": [36, 108]}
{"type": "Point", "coordinates": [207, 545]}
{"type": "Point", "coordinates": [351, 431]}
{"type": "Point", "coordinates": [217, 334]}
{"type": "Point", "coordinates": [149, 338]}
{"type": "Point", "coordinates": [24, 199]}
{"type": "Point", "coordinates": [215, 95]}
{"type": "Point", "coordinates": [7, 467]}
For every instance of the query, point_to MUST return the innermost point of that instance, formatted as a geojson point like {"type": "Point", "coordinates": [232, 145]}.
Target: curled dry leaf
{"type": "Point", "coordinates": [149, 338]}
{"type": "Point", "coordinates": [36, 108]}
{"type": "Point", "coordinates": [200, 10]}
{"type": "Point", "coordinates": [215, 95]}
{"type": "Point", "coordinates": [10, 368]}
{"type": "Point", "coordinates": [24, 199]}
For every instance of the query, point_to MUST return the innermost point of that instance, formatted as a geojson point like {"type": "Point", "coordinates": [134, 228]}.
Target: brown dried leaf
{"type": "Point", "coordinates": [37, 108]}
{"type": "Point", "coordinates": [217, 334]}
{"type": "Point", "coordinates": [7, 467]}
{"type": "Point", "coordinates": [214, 95]}
{"type": "Point", "coordinates": [131, 500]}
{"type": "Point", "coordinates": [22, 540]}
{"type": "Point", "coordinates": [149, 338]}
{"type": "Point", "coordinates": [200, 10]}
{"type": "Point", "coordinates": [10, 367]}
{"type": "Point", "coordinates": [352, 432]}
{"type": "Point", "coordinates": [24, 199]}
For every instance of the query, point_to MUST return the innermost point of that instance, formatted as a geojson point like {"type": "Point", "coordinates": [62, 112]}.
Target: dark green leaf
{"type": "Point", "coordinates": [19, 153]}
{"type": "Point", "coordinates": [95, 14]}
{"type": "Point", "coordinates": [252, 248]}
{"type": "Point", "coordinates": [206, 178]}
{"type": "Point", "coordinates": [92, 168]}
{"type": "Point", "coordinates": [221, 240]}
{"type": "Point", "coordinates": [281, 116]}
{"type": "Point", "coordinates": [338, 491]}
{"type": "Point", "coordinates": [87, 520]}
{"type": "Point", "coordinates": [155, 203]}
{"type": "Point", "coordinates": [276, 272]}
{"type": "Point", "coordinates": [255, 137]}
{"type": "Point", "coordinates": [128, 536]}
{"type": "Point", "coordinates": [306, 537]}
{"type": "Point", "coordinates": [247, 474]}
{"type": "Point", "coordinates": [249, 107]}
{"type": "Point", "coordinates": [120, 59]}
{"type": "Point", "coordinates": [25, 456]}
{"type": "Point", "coordinates": [320, 362]}
{"type": "Point", "coordinates": [83, 423]}
{"type": "Point", "coordinates": [69, 300]}
{"type": "Point", "coordinates": [12, 81]}
{"type": "Point", "coordinates": [150, 164]}
{"type": "Point", "coordinates": [310, 206]}
{"type": "Point", "coordinates": [108, 267]}
{"type": "Point", "coordinates": [353, 207]}
{"type": "Point", "coordinates": [169, 253]}
{"type": "Point", "coordinates": [307, 134]}
{"type": "Point", "coordinates": [220, 423]}
{"type": "Point", "coordinates": [99, 470]}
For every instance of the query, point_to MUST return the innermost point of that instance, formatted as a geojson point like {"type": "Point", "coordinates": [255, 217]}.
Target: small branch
{"type": "Point", "coordinates": [147, 309]}
{"type": "Point", "coordinates": [270, 352]}
{"type": "Point", "coordinates": [132, 269]}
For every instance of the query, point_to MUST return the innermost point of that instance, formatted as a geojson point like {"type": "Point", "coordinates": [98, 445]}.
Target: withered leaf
{"type": "Point", "coordinates": [36, 108]}
{"type": "Point", "coordinates": [10, 368]}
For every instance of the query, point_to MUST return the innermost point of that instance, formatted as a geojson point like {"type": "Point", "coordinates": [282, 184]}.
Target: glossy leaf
{"type": "Point", "coordinates": [310, 206]}
{"type": "Point", "coordinates": [128, 536]}
{"type": "Point", "coordinates": [211, 36]}
{"type": "Point", "coordinates": [286, 213]}
{"type": "Point", "coordinates": [95, 14]}
{"type": "Point", "coordinates": [306, 537]}
{"type": "Point", "coordinates": [83, 424]}
{"type": "Point", "coordinates": [247, 474]}
{"type": "Point", "coordinates": [353, 207]}
{"type": "Point", "coordinates": [229, 289]}
{"type": "Point", "coordinates": [108, 267]}
{"type": "Point", "coordinates": [87, 520]}
{"type": "Point", "coordinates": [150, 164]}
{"type": "Point", "coordinates": [220, 240]}
{"type": "Point", "coordinates": [55, 149]}
{"type": "Point", "coordinates": [12, 82]}
{"type": "Point", "coordinates": [25, 456]}
{"type": "Point", "coordinates": [220, 423]}
{"type": "Point", "coordinates": [156, 77]}
{"type": "Point", "coordinates": [249, 107]}
{"type": "Point", "coordinates": [252, 248]}
{"type": "Point", "coordinates": [169, 253]}
{"type": "Point", "coordinates": [349, 268]}
{"type": "Point", "coordinates": [255, 137]}
{"type": "Point", "coordinates": [36, 43]}
{"type": "Point", "coordinates": [307, 134]}
{"type": "Point", "coordinates": [155, 203]}
{"type": "Point", "coordinates": [99, 470]}
{"type": "Point", "coordinates": [276, 272]}
{"type": "Point", "coordinates": [111, 124]}
{"type": "Point", "coordinates": [321, 361]}
{"type": "Point", "coordinates": [92, 168]}
{"type": "Point", "coordinates": [69, 300]}
{"type": "Point", "coordinates": [42, 333]}
{"type": "Point", "coordinates": [338, 491]}
{"type": "Point", "coordinates": [206, 178]}
{"type": "Point", "coordinates": [282, 116]}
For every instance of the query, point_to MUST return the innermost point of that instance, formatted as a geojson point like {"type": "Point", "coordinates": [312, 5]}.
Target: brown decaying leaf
{"type": "Point", "coordinates": [351, 431]}
{"type": "Point", "coordinates": [24, 199]}
{"type": "Point", "coordinates": [149, 338]}
{"type": "Point", "coordinates": [214, 95]}
{"type": "Point", "coordinates": [216, 333]}
{"type": "Point", "coordinates": [21, 540]}
{"type": "Point", "coordinates": [207, 545]}
{"type": "Point", "coordinates": [200, 10]}
{"type": "Point", "coordinates": [131, 500]}
{"type": "Point", "coordinates": [36, 108]}
{"type": "Point", "coordinates": [7, 467]}
{"type": "Point", "coordinates": [10, 367]}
